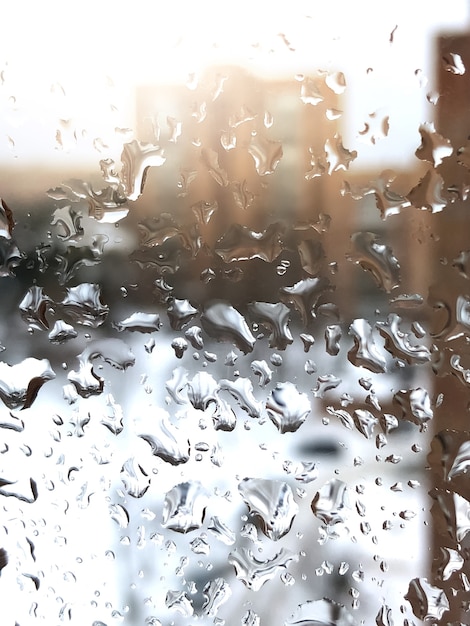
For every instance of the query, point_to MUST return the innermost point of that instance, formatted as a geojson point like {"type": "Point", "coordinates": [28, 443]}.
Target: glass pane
{"type": "Point", "coordinates": [234, 370]}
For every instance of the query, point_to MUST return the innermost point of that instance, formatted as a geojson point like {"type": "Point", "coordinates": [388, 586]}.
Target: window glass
{"type": "Point", "coordinates": [234, 332]}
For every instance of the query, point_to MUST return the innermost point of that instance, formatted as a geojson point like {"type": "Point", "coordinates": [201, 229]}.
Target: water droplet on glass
{"type": "Point", "coordinates": [310, 91]}
{"type": "Point", "coordinates": [180, 346]}
{"type": "Point", "coordinates": [427, 601]}
{"type": "Point", "coordinates": [216, 592]}
{"type": "Point", "coordinates": [287, 408]}
{"type": "Point", "coordinates": [61, 332]}
{"type": "Point", "coordinates": [304, 296]}
{"type": "Point", "coordinates": [434, 147]}
{"type": "Point", "coordinates": [112, 351]}
{"type": "Point", "coordinates": [20, 383]}
{"type": "Point", "coordinates": [453, 63]}
{"type": "Point", "coordinates": [376, 127]}
{"type": "Point", "coordinates": [427, 194]}
{"type": "Point", "coordinates": [325, 383]}
{"type": "Point", "coordinates": [322, 612]}
{"type": "Point", "coordinates": [210, 158]}
{"type": "Point", "coordinates": [337, 156]}
{"type": "Point", "coordinates": [254, 572]}
{"type": "Point", "coordinates": [140, 322]}
{"type": "Point", "coordinates": [241, 244]}
{"type": "Point", "coordinates": [415, 405]}
{"type": "Point", "coordinates": [266, 154]}
{"type": "Point", "coordinates": [136, 158]}
{"type": "Point", "coordinates": [263, 371]}
{"type": "Point", "coordinates": [202, 390]}
{"type": "Point", "coordinates": [242, 196]}
{"type": "Point", "coordinates": [250, 619]}
{"type": "Point", "coordinates": [165, 439]}
{"type": "Point", "coordinates": [377, 258]}
{"type": "Point", "coordinates": [135, 479]}
{"type": "Point", "coordinates": [242, 390]}
{"type": "Point", "coordinates": [223, 322]}
{"type": "Point", "coordinates": [333, 335]}
{"type": "Point", "coordinates": [276, 317]}
{"type": "Point", "coordinates": [83, 304]}
{"type": "Point", "coordinates": [119, 514]}
{"type": "Point", "coordinates": [273, 502]}
{"type": "Point", "coordinates": [365, 422]}
{"type": "Point", "coordinates": [365, 353]}
{"type": "Point", "coordinates": [34, 307]}
{"type": "Point", "coordinates": [331, 504]}
{"type": "Point", "coordinates": [185, 506]}
{"type": "Point", "coordinates": [179, 601]}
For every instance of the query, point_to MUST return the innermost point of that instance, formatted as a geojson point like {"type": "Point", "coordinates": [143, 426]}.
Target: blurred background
{"type": "Point", "coordinates": [311, 158]}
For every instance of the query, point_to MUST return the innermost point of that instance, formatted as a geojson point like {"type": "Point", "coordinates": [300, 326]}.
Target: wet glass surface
{"type": "Point", "coordinates": [235, 319]}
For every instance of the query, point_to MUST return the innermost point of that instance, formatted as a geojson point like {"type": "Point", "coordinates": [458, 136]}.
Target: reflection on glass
{"type": "Point", "coordinates": [235, 324]}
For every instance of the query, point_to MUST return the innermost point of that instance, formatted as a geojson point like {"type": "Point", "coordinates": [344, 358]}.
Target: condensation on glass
{"type": "Point", "coordinates": [235, 328]}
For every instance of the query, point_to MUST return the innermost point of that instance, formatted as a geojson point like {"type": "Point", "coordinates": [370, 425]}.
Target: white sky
{"type": "Point", "coordinates": [78, 44]}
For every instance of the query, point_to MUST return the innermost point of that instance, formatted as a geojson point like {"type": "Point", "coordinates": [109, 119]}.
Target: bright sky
{"type": "Point", "coordinates": [74, 45]}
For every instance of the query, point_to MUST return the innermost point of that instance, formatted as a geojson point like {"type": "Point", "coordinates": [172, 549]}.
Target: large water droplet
{"type": "Point", "coordinates": [223, 322]}
{"type": "Point", "coordinates": [241, 243]}
{"type": "Point", "coordinates": [325, 383]}
{"type": "Point", "coordinates": [20, 383]}
{"type": "Point", "coordinates": [112, 351]}
{"type": "Point", "coordinates": [242, 196]}
{"type": "Point", "coordinates": [452, 62]}
{"type": "Point", "coordinates": [242, 390]}
{"type": "Point", "coordinates": [427, 601]}
{"type": "Point", "coordinates": [377, 258]}
{"type": "Point", "coordinates": [69, 221]}
{"type": "Point", "coordinates": [119, 514]}
{"type": "Point", "coordinates": [222, 531]}
{"type": "Point", "coordinates": [427, 194]}
{"type": "Point", "coordinates": [216, 593]}
{"type": "Point", "coordinates": [450, 454]}
{"type": "Point", "coordinates": [338, 157]}
{"type": "Point", "coordinates": [136, 158]}
{"type": "Point", "coordinates": [415, 405]}
{"type": "Point", "coordinates": [321, 613]}
{"type": "Point", "coordinates": [185, 506]}
{"type": "Point", "coordinates": [253, 572]}
{"type": "Point", "coordinates": [165, 439]}
{"type": "Point", "coordinates": [135, 479]}
{"type": "Point", "coordinates": [333, 335]}
{"type": "Point", "coordinates": [34, 306]}
{"type": "Point", "coordinates": [365, 422]}
{"type": "Point", "coordinates": [180, 313]}
{"type": "Point", "coordinates": [202, 390]}
{"type": "Point", "coordinates": [287, 408]}
{"type": "Point", "coordinates": [210, 158]}
{"type": "Point", "coordinates": [83, 304]}
{"type": "Point", "coordinates": [330, 504]}
{"type": "Point", "coordinates": [304, 295]}
{"type": "Point", "coordinates": [450, 561]}
{"type": "Point", "coordinates": [179, 601]}
{"type": "Point", "coordinates": [62, 332]}
{"type": "Point", "coordinates": [310, 91]}
{"type": "Point", "coordinates": [24, 489]}
{"type": "Point", "coordinates": [434, 147]}
{"type": "Point", "coordinates": [276, 317]}
{"type": "Point", "coordinates": [263, 371]}
{"type": "Point", "coordinates": [365, 353]}
{"type": "Point", "coordinates": [266, 154]}
{"type": "Point", "coordinates": [273, 502]}
{"type": "Point", "coordinates": [384, 616]}
{"type": "Point", "coordinates": [140, 322]}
